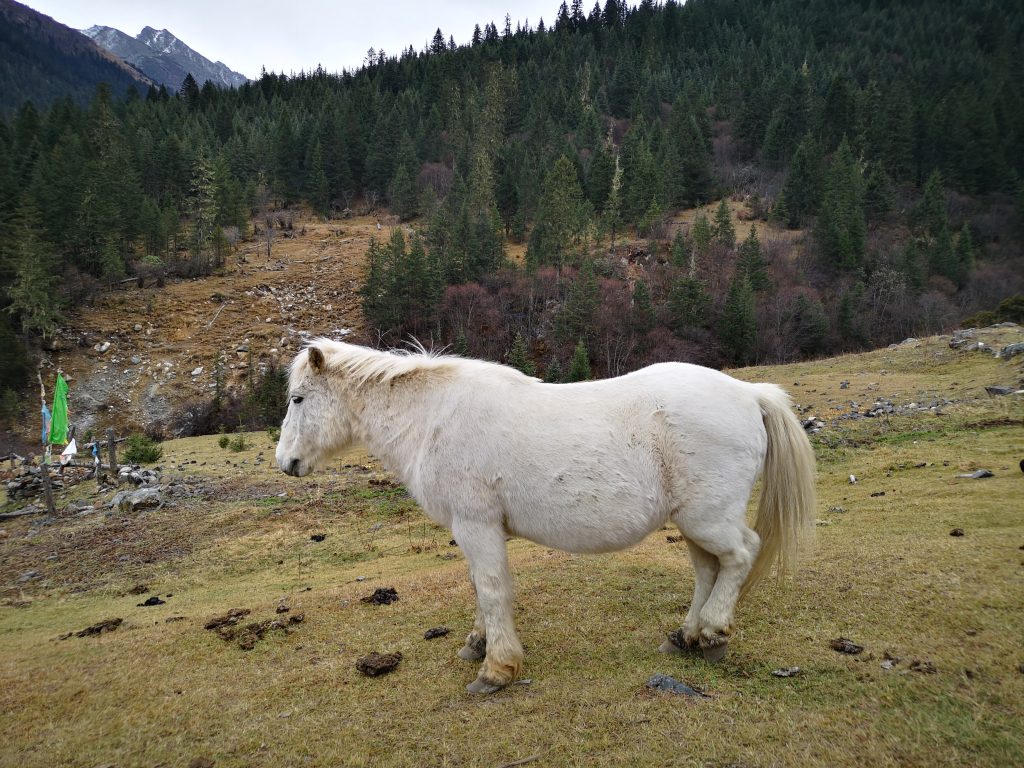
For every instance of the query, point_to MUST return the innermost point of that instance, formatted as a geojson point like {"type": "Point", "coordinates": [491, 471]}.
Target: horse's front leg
{"type": "Point", "coordinates": [484, 546]}
{"type": "Point", "coordinates": [475, 648]}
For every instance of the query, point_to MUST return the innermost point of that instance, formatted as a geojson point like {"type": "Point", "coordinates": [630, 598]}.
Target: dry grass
{"type": "Point", "coordinates": [885, 572]}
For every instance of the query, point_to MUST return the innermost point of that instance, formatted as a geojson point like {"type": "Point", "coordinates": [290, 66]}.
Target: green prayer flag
{"type": "Point", "coordinates": [59, 424]}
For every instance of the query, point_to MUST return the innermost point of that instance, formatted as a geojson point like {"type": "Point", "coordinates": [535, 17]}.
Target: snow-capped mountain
{"type": "Point", "coordinates": [163, 57]}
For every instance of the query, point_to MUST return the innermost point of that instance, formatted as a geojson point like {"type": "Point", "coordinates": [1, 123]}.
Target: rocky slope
{"type": "Point", "coordinates": [139, 358]}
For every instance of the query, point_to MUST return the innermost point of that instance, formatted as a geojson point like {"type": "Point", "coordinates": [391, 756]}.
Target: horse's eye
{"type": "Point", "coordinates": [297, 399]}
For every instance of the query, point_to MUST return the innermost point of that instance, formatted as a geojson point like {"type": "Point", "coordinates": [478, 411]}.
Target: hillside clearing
{"type": "Point", "coordinates": [885, 572]}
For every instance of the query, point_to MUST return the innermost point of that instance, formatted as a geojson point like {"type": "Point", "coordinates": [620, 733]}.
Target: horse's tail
{"type": "Point", "coordinates": [786, 509]}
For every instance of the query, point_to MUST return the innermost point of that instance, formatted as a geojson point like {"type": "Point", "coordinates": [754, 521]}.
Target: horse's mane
{"type": "Point", "coordinates": [364, 365]}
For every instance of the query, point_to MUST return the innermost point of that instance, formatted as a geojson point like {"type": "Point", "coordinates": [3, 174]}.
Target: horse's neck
{"type": "Point", "coordinates": [393, 424]}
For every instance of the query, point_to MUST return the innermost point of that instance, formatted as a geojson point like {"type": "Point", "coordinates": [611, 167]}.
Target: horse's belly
{"type": "Point", "coordinates": [587, 525]}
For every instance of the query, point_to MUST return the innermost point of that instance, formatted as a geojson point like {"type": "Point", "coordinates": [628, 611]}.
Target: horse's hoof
{"type": "Point", "coordinates": [482, 687]}
{"type": "Point", "coordinates": [675, 643]}
{"type": "Point", "coordinates": [475, 651]}
{"type": "Point", "coordinates": [716, 652]}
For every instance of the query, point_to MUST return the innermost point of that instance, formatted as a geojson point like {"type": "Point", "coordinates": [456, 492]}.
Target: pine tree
{"type": "Point", "coordinates": [518, 357]}
{"type": "Point", "coordinates": [599, 180]}
{"type": "Point", "coordinates": [879, 195]}
{"type": "Point", "coordinates": [576, 318]}
{"type": "Point", "coordinates": [802, 189]}
{"type": "Point", "coordinates": [725, 233]}
{"type": "Point", "coordinates": [680, 256]}
{"type": "Point", "coordinates": [202, 207]}
{"type": "Point", "coordinates": [851, 328]}
{"type": "Point", "coordinates": [689, 305]}
{"type": "Point", "coordinates": [579, 368]}
{"type": "Point", "coordinates": [562, 218]}
{"type": "Point", "coordinates": [639, 175]}
{"type": "Point", "coordinates": [738, 325]}
{"type": "Point", "coordinates": [751, 263]}
{"type": "Point", "coordinates": [611, 218]}
{"type": "Point", "coordinates": [404, 198]}
{"type": "Point", "coordinates": [809, 325]}
{"type": "Point", "coordinates": [553, 374]}
{"type": "Point", "coordinates": [32, 297]}
{"type": "Point", "coordinates": [317, 189]}
{"type": "Point", "coordinates": [789, 120]}
{"type": "Point", "coordinates": [963, 257]}
{"type": "Point", "coordinates": [701, 233]}
{"type": "Point", "coordinates": [934, 227]}
{"type": "Point", "coordinates": [643, 317]}
{"type": "Point", "coordinates": [841, 227]}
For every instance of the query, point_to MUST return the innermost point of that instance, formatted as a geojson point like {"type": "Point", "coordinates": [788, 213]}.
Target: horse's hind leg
{"type": "Point", "coordinates": [484, 547]}
{"type": "Point", "coordinates": [725, 537]}
{"type": "Point", "coordinates": [705, 568]}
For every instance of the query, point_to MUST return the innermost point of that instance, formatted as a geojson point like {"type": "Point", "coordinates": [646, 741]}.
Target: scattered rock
{"type": "Point", "coordinates": [844, 385]}
{"type": "Point", "coordinates": [154, 600]}
{"type": "Point", "coordinates": [925, 667]}
{"type": "Point", "coordinates": [957, 532]}
{"type": "Point", "coordinates": [876, 494]}
{"type": "Point", "coordinates": [674, 539]}
{"type": "Point", "coordinates": [138, 589]}
{"type": "Point", "coordinates": [852, 479]}
{"type": "Point", "coordinates": [786, 672]}
{"type": "Point", "coordinates": [376, 664]}
{"type": "Point", "coordinates": [1011, 350]}
{"type": "Point", "coordinates": [660, 682]}
{"type": "Point", "coordinates": [197, 371]}
{"type": "Point", "coordinates": [999, 391]}
{"type": "Point", "coordinates": [133, 501]}
{"type": "Point", "coordinates": [381, 596]}
{"type": "Point", "coordinates": [318, 537]}
{"type": "Point", "coordinates": [845, 645]}
{"type": "Point", "coordinates": [28, 576]}
{"type": "Point", "coordinates": [282, 608]}
{"type": "Point", "coordinates": [837, 510]}
{"type": "Point", "coordinates": [978, 474]}
{"type": "Point", "coordinates": [430, 634]}
{"type": "Point", "coordinates": [813, 425]}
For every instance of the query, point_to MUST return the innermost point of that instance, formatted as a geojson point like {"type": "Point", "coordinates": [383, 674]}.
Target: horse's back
{"type": "Point", "coordinates": [596, 466]}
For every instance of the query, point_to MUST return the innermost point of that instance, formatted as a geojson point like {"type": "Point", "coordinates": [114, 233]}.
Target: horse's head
{"type": "Point", "coordinates": [317, 423]}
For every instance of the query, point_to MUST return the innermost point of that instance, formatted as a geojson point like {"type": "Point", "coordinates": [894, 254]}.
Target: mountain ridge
{"type": "Point", "coordinates": [163, 56]}
{"type": "Point", "coordinates": [42, 60]}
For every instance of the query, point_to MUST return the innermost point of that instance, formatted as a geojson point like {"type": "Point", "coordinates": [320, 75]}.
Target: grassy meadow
{"type": "Point", "coordinates": [884, 571]}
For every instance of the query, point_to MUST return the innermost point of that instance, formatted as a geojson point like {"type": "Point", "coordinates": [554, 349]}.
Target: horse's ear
{"type": "Point", "coordinates": [316, 359]}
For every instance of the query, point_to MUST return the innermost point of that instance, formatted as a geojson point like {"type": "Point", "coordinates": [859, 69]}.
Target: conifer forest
{"type": "Point", "coordinates": [538, 184]}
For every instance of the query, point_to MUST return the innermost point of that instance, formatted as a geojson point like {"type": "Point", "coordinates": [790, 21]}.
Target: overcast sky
{"type": "Point", "coordinates": [298, 35]}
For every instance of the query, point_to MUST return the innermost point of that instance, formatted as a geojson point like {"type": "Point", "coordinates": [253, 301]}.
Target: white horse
{"type": "Point", "coordinates": [590, 467]}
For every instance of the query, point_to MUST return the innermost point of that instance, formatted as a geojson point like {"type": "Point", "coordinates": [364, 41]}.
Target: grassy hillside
{"type": "Point", "coordinates": [885, 572]}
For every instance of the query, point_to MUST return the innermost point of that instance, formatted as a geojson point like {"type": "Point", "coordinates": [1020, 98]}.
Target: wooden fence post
{"type": "Point", "coordinates": [111, 444]}
{"type": "Point", "coordinates": [98, 464]}
{"type": "Point", "coordinates": [44, 470]}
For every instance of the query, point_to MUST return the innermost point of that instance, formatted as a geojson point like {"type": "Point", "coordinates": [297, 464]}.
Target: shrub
{"type": "Point", "coordinates": [274, 433]}
{"type": "Point", "coordinates": [142, 450]}
{"type": "Point", "coordinates": [237, 443]}
{"type": "Point", "coordinates": [224, 441]}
